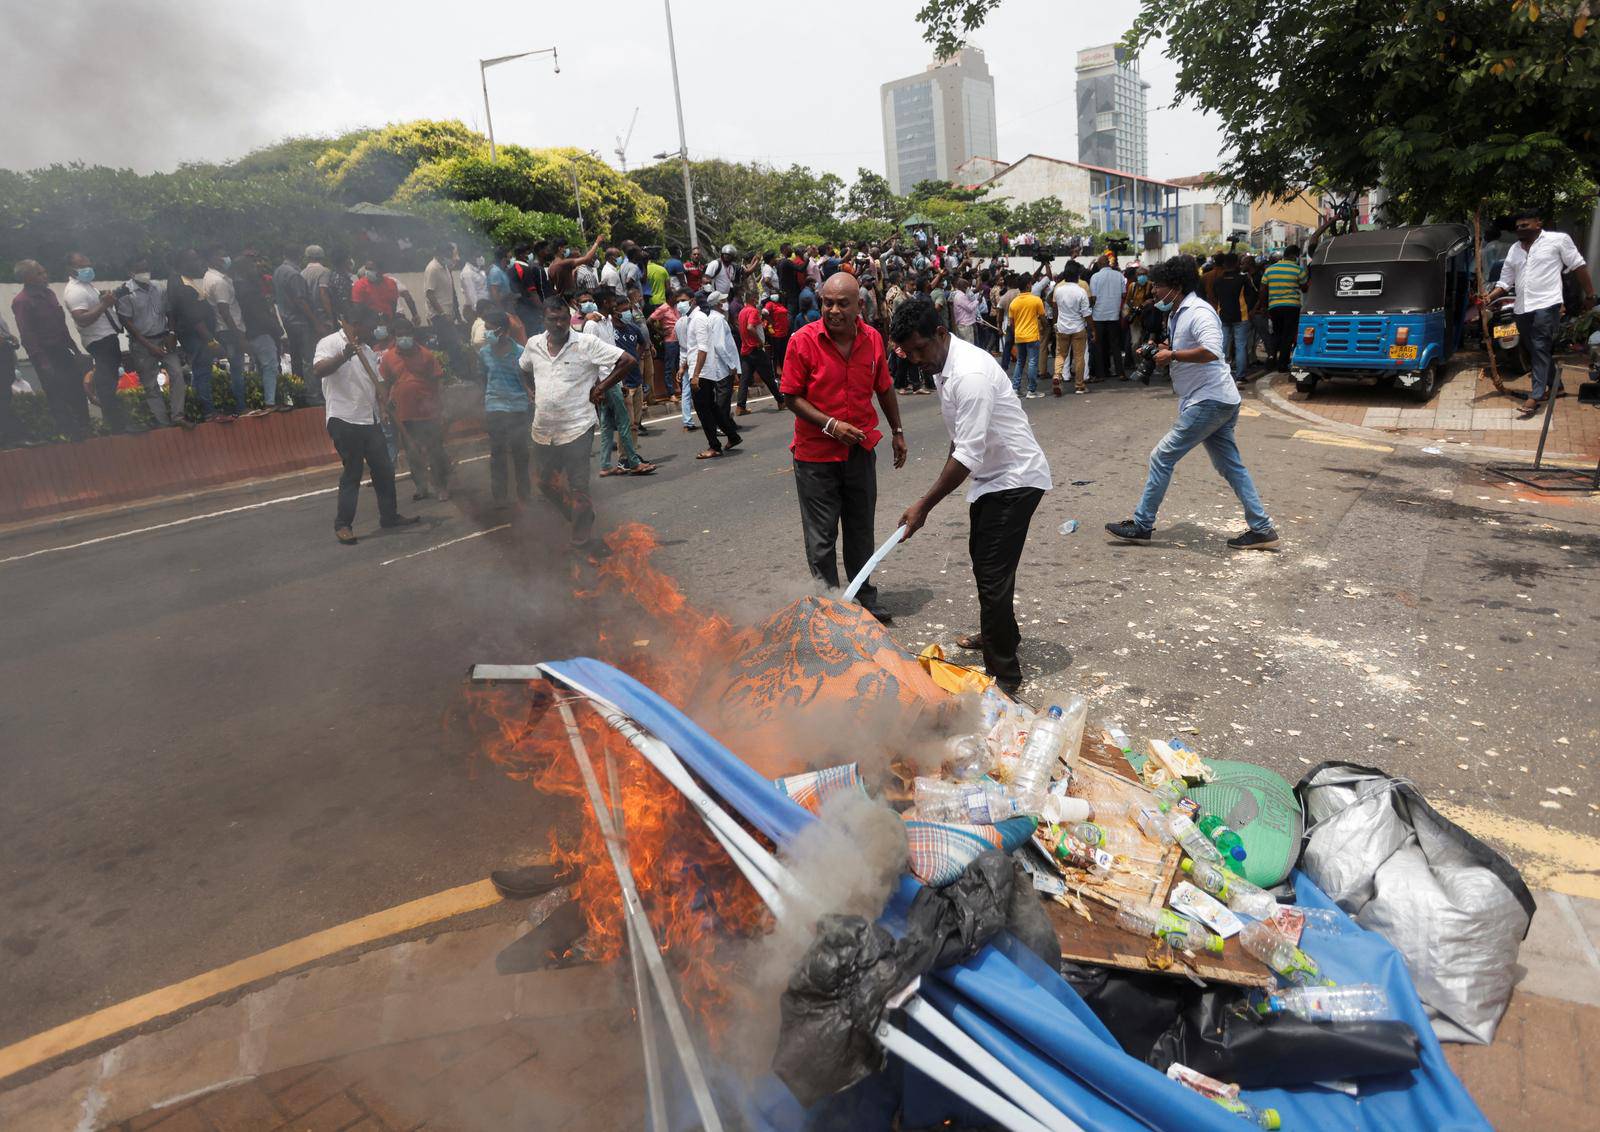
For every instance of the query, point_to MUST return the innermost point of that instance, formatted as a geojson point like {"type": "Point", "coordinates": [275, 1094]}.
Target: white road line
{"type": "Point", "coordinates": [201, 518]}
{"type": "Point", "coordinates": [442, 545]}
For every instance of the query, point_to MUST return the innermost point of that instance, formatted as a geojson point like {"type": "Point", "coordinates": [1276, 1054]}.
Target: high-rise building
{"type": "Point", "coordinates": [935, 120]}
{"type": "Point", "coordinates": [1111, 110]}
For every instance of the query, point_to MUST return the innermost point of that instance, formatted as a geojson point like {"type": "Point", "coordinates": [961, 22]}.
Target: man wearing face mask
{"type": "Point", "coordinates": [680, 337]}
{"type": "Point", "coordinates": [413, 375]}
{"type": "Point", "coordinates": [98, 331]}
{"type": "Point", "coordinates": [347, 367]}
{"type": "Point", "coordinates": [1208, 407]}
{"type": "Point", "coordinates": [152, 345]}
{"type": "Point", "coordinates": [42, 327]}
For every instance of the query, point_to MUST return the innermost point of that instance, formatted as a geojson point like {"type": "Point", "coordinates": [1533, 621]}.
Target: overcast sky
{"type": "Point", "coordinates": [779, 83]}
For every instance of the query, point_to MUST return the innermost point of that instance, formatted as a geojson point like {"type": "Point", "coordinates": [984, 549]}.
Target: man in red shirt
{"type": "Point", "coordinates": [753, 357]}
{"type": "Point", "coordinates": [413, 376]}
{"type": "Point", "coordinates": [775, 318]}
{"type": "Point", "coordinates": [376, 290]}
{"type": "Point", "coordinates": [834, 368]}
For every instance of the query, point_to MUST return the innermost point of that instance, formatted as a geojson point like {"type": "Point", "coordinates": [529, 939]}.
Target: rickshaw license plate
{"type": "Point", "coordinates": [1506, 330]}
{"type": "Point", "coordinates": [1409, 352]}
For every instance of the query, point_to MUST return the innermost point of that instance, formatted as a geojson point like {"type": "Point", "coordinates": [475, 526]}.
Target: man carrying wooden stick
{"type": "Point", "coordinates": [348, 368]}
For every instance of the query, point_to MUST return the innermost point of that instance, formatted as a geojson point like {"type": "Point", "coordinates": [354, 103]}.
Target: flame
{"type": "Point", "coordinates": [695, 897]}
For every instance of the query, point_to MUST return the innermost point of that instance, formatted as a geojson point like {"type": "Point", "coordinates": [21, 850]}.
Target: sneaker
{"type": "Point", "coordinates": [1253, 540]}
{"type": "Point", "coordinates": [1080, 389]}
{"type": "Point", "coordinates": [1128, 531]}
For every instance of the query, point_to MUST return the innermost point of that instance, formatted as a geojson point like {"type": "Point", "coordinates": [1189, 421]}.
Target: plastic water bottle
{"type": "Point", "coordinates": [1090, 834]}
{"type": "Point", "coordinates": [1358, 1002]}
{"type": "Point", "coordinates": [1150, 821]}
{"type": "Point", "coordinates": [972, 803]}
{"type": "Point", "coordinates": [1182, 933]}
{"type": "Point", "coordinates": [1273, 948]}
{"type": "Point", "coordinates": [1234, 891]}
{"type": "Point", "coordinates": [1071, 851]}
{"type": "Point", "coordinates": [1228, 842]}
{"type": "Point", "coordinates": [1260, 1117]}
{"type": "Point", "coordinates": [1194, 843]}
{"type": "Point", "coordinates": [967, 757]}
{"type": "Point", "coordinates": [1119, 739]}
{"type": "Point", "coordinates": [1052, 740]}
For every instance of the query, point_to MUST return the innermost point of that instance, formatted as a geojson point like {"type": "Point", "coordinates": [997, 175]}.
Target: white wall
{"type": "Point", "coordinates": [1032, 179]}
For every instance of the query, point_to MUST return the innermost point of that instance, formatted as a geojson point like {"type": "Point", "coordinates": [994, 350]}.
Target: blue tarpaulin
{"type": "Point", "coordinates": [1034, 1022]}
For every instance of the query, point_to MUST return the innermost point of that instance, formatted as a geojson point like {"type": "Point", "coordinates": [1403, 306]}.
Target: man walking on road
{"type": "Point", "coordinates": [833, 370]}
{"type": "Point", "coordinates": [347, 367]}
{"type": "Point", "coordinates": [1534, 267]}
{"type": "Point", "coordinates": [1208, 408]}
{"type": "Point", "coordinates": [713, 362]}
{"type": "Point", "coordinates": [1281, 286]}
{"type": "Point", "coordinates": [1027, 320]}
{"type": "Point", "coordinates": [1106, 288]}
{"type": "Point", "coordinates": [1072, 329]}
{"type": "Point", "coordinates": [572, 374]}
{"type": "Point", "coordinates": [991, 442]}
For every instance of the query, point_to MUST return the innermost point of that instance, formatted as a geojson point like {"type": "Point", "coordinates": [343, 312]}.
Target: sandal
{"type": "Point", "coordinates": [611, 472]}
{"type": "Point", "coordinates": [709, 454]}
{"type": "Point", "coordinates": [641, 469]}
{"type": "Point", "coordinates": [972, 642]}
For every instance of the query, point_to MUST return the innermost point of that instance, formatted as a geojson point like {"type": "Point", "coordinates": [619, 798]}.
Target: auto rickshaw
{"type": "Point", "coordinates": [1388, 305]}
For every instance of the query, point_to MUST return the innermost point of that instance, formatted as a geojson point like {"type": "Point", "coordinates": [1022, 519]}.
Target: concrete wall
{"type": "Point", "coordinates": [1033, 179]}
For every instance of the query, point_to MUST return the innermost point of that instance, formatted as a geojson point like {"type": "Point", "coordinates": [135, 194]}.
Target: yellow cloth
{"type": "Point", "coordinates": [1026, 311]}
{"type": "Point", "coordinates": [952, 677]}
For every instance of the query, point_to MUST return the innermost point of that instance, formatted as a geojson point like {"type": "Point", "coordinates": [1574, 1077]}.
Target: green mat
{"type": "Point", "coordinates": [1261, 807]}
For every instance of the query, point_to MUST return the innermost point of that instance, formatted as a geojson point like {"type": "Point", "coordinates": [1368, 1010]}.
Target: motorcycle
{"type": "Point", "coordinates": [1510, 354]}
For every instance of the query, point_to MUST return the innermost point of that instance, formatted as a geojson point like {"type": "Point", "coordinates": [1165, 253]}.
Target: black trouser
{"type": "Point", "coordinates": [1108, 348]}
{"type": "Point", "coordinates": [757, 363]}
{"type": "Point", "coordinates": [711, 401]}
{"type": "Point", "coordinates": [10, 424]}
{"type": "Point", "coordinates": [430, 463]}
{"type": "Point", "coordinates": [1285, 329]}
{"type": "Point", "coordinates": [779, 349]}
{"type": "Point", "coordinates": [999, 530]}
{"type": "Point", "coordinates": [564, 481]}
{"type": "Point", "coordinates": [358, 444]}
{"type": "Point", "coordinates": [61, 373]}
{"type": "Point", "coordinates": [107, 355]}
{"type": "Point", "coordinates": [508, 449]}
{"type": "Point", "coordinates": [839, 493]}
{"type": "Point", "coordinates": [1538, 329]}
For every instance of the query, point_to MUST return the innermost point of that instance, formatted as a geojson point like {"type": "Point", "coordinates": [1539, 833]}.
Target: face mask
{"type": "Point", "coordinates": [683, 308]}
{"type": "Point", "coordinates": [84, 275]}
{"type": "Point", "coordinates": [588, 308]}
{"type": "Point", "coordinates": [1144, 279]}
{"type": "Point", "coordinates": [1163, 304]}
{"type": "Point", "coordinates": [479, 262]}
{"type": "Point", "coordinates": [629, 316]}
{"type": "Point", "coordinates": [142, 278]}
{"type": "Point", "coordinates": [405, 342]}
{"type": "Point", "coordinates": [227, 262]}
{"type": "Point", "coordinates": [491, 336]}
{"type": "Point", "coordinates": [380, 333]}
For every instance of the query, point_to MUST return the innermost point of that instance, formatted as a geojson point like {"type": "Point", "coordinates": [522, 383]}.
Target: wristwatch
{"type": "Point", "coordinates": [898, 431]}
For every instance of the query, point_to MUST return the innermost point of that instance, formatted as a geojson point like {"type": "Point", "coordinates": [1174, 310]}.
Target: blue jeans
{"type": "Point", "coordinates": [1235, 343]}
{"type": "Point", "coordinates": [615, 422]}
{"type": "Point", "coordinates": [265, 351]}
{"type": "Point", "coordinates": [1027, 363]}
{"type": "Point", "coordinates": [1210, 423]}
{"type": "Point", "coordinates": [198, 351]}
{"type": "Point", "coordinates": [1538, 330]}
{"type": "Point", "coordinates": [685, 393]}
{"type": "Point", "coordinates": [232, 343]}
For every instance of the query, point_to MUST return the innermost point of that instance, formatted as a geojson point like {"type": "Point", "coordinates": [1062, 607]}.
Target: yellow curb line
{"type": "Point", "coordinates": [1338, 441]}
{"type": "Point", "coordinates": [136, 1012]}
{"type": "Point", "coordinates": [1554, 859]}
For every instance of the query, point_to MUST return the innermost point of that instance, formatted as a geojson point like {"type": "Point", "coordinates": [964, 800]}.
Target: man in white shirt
{"type": "Point", "coordinates": [570, 374]}
{"type": "Point", "coordinates": [474, 285]}
{"type": "Point", "coordinates": [220, 292]}
{"type": "Point", "coordinates": [92, 313]}
{"type": "Point", "coordinates": [1071, 307]}
{"type": "Point", "coordinates": [714, 359]}
{"type": "Point", "coordinates": [1534, 267]}
{"type": "Point", "coordinates": [992, 444]}
{"type": "Point", "coordinates": [1106, 286]}
{"type": "Point", "coordinates": [349, 372]}
{"type": "Point", "coordinates": [1208, 407]}
{"type": "Point", "coordinates": [611, 273]}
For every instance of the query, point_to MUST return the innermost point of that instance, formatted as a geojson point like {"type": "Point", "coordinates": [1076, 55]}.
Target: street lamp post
{"type": "Point", "coordinates": [483, 78]}
{"type": "Point", "coordinates": [683, 142]}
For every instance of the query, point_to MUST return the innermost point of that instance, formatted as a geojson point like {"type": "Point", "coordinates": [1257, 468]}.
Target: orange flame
{"type": "Point", "coordinates": [693, 894]}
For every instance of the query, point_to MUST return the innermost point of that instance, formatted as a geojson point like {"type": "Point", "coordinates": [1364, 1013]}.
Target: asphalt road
{"type": "Point", "coordinates": [225, 734]}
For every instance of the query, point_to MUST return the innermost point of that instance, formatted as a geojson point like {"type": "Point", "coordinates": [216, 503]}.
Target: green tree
{"type": "Point", "coordinates": [380, 162]}
{"type": "Point", "coordinates": [870, 198]}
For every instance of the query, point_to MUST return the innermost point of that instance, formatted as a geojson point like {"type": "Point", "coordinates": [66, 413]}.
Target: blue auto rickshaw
{"type": "Point", "coordinates": [1387, 305]}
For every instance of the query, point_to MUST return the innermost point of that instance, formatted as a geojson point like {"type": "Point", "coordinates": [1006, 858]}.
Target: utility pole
{"type": "Point", "coordinates": [683, 142]}
{"type": "Point", "coordinates": [483, 78]}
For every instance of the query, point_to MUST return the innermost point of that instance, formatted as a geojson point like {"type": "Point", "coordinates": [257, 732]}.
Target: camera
{"type": "Point", "coordinates": [123, 291]}
{"type": "Point", "coordinates": [1145, 361]}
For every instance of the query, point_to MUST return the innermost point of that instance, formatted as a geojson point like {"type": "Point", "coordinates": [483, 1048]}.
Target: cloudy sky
{"type": "Point", "coordinates": [779, 83]}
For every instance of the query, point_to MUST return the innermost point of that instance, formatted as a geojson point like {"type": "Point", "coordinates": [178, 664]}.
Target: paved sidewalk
{"type": "Point", "coordinates": [1465, 409]}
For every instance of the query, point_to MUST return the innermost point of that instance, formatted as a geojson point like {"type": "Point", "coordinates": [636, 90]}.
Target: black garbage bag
{"type": "Point", "coordinates": [831, 1008]}
{"type": "Point", "coordinates": [1138, 1007]}
{"type": "Point", "coordinates": [1220, 1035]}
{"type": "Point", "coordinates": [835, 998]}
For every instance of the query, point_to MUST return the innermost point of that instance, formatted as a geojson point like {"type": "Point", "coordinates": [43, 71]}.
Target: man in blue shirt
{"type": "Point", "coordinates": [1208, 408]}
{"type": "Point", "coordinates": [616, 422]}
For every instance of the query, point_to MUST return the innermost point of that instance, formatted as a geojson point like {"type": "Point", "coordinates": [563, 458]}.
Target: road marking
{"type": "Point", "coordinates": [1247, 411]}
{"type": "Point", "coordinates": [442, 545]}
{"type": "Point", "coordinates": [1550, 858]}
{"type": "Point", "coordinates": [136, 1012]}
{"type": "Point", "coordinates": [1333, 438]}
{"type": "Point", "coordinates": [224, 513]}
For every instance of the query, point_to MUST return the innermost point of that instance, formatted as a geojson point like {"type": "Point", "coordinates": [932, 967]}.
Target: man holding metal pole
{"type": "Point", "coordinates": [348, 368]}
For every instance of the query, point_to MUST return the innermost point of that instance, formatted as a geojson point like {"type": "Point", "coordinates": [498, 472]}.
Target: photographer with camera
{"type": "Point", "coordinates": [1208, 407]}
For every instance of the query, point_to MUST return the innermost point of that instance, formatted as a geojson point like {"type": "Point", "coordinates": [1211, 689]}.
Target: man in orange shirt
{"type": "Point", "coordinates": [412, 375]}
{"type": "Point", "coordinates": [1027, 314]}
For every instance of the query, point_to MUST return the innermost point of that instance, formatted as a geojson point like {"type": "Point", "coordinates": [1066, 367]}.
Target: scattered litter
{"type": "Point", "coordinates": [1432, 451]}
{"type": "Point", "coordinates": [1069, 526]}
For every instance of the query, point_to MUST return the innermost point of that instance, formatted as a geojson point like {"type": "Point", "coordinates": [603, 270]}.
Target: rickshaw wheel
{"type": "Point", "coordinates": [1425, 389]}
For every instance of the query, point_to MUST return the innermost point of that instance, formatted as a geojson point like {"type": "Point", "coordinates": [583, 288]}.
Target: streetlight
{"type": "Point", "coordinates": [683, 141]}
{"type": "Point", "coordinates": [483, 77]}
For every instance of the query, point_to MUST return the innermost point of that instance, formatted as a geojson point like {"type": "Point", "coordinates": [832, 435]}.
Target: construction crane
{"type": "Point", "coordinates": [622, 141]}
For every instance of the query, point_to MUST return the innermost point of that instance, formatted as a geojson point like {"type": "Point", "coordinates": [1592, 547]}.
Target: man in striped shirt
{"type": "Point", "coordinates": [1281, 285]}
